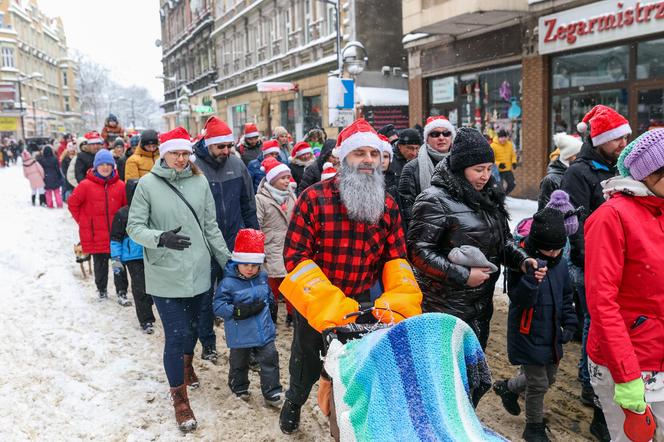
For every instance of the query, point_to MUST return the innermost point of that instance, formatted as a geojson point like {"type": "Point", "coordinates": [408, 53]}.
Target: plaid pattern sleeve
{"type": "Point", "coordinates": [350, 253]}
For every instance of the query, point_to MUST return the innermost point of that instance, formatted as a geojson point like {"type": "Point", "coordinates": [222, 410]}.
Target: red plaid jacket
{"type": "Point", "coordinates": [350, 253]}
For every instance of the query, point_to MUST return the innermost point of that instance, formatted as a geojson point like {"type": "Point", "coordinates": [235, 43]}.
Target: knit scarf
{"type": "Point", "coordinates": [426, 165]}
{"type": "Point", "coordinates": [429, 367]}
{"type": "Point", "coordinates": [626, 185]}
{"type": "Point", "coordinates": [279, 196]}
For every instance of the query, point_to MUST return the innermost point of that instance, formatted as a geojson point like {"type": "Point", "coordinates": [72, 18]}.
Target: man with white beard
{"type": "Point", "coordinates": [345, 233]}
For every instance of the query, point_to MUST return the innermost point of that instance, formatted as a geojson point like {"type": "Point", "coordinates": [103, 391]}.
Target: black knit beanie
{"type": "Point", "coordinates": [149, 136]}
{"type": "Point", "coordinates": [468, 149]}
{"type": "Point", "coordinates": [548, 230]}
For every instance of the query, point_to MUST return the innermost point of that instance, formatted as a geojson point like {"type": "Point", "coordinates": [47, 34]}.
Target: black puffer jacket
{"type": "Point", "coordinates": [550, 183]}
{"type": "Point", "coordinates": [398, 162]}
{"type": "Point", "coordinates": [313, 172]}
{"type": "Point", "coordinates": [52, 173]}
{"type": "Point", "coordinates": [582, 181]}
{"type": "Point", "coordinates": [450, 214]}
{"type": "Point", "coordinates": [84, 162]}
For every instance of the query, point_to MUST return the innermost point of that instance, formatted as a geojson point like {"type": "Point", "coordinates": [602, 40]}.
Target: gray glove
{"type": "Point", "coordinates": [470, 256]}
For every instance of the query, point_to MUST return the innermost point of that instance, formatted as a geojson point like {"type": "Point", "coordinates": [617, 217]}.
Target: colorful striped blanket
{"type": "Point", "coordinates": [412, 382]}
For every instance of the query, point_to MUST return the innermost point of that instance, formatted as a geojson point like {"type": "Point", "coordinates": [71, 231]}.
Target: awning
{"type": "Point", "coordinates": [380, 96]}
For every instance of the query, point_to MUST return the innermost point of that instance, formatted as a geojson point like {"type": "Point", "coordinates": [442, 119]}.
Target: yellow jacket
{"type": "Point", "coordinates": [504, 153]}
{"type": "Point", "coordinates": [140, 163]}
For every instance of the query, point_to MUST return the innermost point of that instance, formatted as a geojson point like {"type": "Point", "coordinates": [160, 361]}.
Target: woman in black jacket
{"type": "Point", "coordinates": [52, 177]}
{"type": "Point", "coordinates": [463, 206]}
{"type": "Point", "coordinates": [312, 173]}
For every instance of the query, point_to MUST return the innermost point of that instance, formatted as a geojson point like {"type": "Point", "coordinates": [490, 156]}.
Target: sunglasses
{"type": "Point", "coordinates": [436, 134]}
{"type": "Point", "coordinates": [224, 146]}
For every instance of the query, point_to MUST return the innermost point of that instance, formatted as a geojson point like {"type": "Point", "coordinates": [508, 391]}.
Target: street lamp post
{"type": "Point", "coordinates": [337, 13]}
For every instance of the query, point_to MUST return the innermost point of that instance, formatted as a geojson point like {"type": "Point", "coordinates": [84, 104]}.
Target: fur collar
{"type": "Point", "coordinates": [491, 199]}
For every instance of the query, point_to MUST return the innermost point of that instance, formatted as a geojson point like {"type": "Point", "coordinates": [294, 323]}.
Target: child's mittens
{"type": "Point", "coordinates": [244, 310]}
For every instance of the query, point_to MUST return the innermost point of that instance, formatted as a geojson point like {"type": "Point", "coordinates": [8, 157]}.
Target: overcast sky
{"type": "Point", "coordinates": [118, 34]}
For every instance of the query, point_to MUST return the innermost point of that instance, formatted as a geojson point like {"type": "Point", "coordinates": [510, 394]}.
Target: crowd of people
{"type": "Point", "coordinates": [379, 226]}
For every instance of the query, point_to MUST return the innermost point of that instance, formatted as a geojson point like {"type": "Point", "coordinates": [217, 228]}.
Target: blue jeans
{"type": "Point", "coordinates": [576, 274]}
{"type": "Point", "coordinates": [179, 316]}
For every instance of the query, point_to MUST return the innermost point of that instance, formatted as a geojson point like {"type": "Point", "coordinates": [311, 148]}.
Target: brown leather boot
{"type": "Point", "coordinates": [190, 377]}
{"type": "Point", "coordinates": [183, 414]}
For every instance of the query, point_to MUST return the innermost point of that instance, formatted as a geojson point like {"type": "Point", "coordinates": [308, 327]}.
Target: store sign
{"type": "Point", "coordinates": [379, 116]}
{"type": "Point", "coordinates": [341, 117]}
{"type": "Point", "coordinates": [8, 124]}
{"type": "Point", "coordinates": [599, 22]}
{"type": "Point", "coordinates": [442, 90]}
{"type": "Point", "coordinates": [204, 109]}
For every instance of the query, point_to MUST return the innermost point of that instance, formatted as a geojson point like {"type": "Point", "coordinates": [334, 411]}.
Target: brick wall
{"type": "Point", "coordinates": [535, 107]}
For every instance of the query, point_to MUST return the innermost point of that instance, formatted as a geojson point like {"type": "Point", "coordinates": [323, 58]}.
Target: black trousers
{"type": "Point", "coordinates": [100, 265]}
{"type": "Point", "coordinates": [305, 361]}
{"type": "Point", "coordinates": [508, 179]}
{"type": "Point", "coordinates": [268, 360]}
{"type": "Point", "coordinates": [142, 301]}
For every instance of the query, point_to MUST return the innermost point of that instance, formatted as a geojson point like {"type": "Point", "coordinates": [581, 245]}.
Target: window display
{"type": "Point", "coordinates": [650, 112]}
{"type": "Point", "coordinates": [598, 66]}
{"type": "Point", "coordinates": [650, 59]}
{"type": "Point", "coordinates": [569, 109]}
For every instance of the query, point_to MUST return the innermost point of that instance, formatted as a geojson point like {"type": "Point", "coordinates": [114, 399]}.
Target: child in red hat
{"type": "Point", "coordinates": [245, 301]}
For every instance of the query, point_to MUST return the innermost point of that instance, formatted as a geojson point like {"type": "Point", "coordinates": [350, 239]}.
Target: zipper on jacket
{"type": "Point", "coordinates": [256, 317]}
{"type": "Point", "coordinates": [108, 224]}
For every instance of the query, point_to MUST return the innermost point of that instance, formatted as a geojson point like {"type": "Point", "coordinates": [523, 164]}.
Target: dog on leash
{"type": "Point", "coordinates": [81, 258]}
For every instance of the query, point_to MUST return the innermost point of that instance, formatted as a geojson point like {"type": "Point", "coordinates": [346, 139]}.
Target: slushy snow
{"type": "Point", "coordinates": [76, 368]}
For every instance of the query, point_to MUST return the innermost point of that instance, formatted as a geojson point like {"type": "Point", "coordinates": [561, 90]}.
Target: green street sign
{"type": "Point", "coordinates": [204, 109]}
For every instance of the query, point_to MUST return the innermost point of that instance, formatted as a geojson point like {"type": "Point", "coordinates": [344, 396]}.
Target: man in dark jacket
{"type": "Point", "coordinates": [416, 174]}
{"type": "Point", "coordinates": [233, 194]}
{"type": "Point", "coordinates": [312, 173]}
{"type": "Point", "coordinates": [582, 181]}
{"type": "Point", "coordinates": [405, 149]}
{"type": "Point", "coordinates": [250, 148]}
{"type": "Point", "coordinates": [86, 157]}
{"type": "Point", "coordinates": [568, 148]}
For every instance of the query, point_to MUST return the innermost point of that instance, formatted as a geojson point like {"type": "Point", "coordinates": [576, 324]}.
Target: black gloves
{"type": "Point", "coordinates": [502, 166]}
{"type": "Point", "coordinates": [243, 310]}
{"type": "Point", "coordinates": [566, 336]}
{"type": "Point", "coordinates": [171, 240]}
{"type": "Point", "coordinates": [273, 312]}
{"type": "Point", "coordinates": [514, 166]}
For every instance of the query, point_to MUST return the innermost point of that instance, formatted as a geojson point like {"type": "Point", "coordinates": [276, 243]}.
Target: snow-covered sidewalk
{"type": "Point", "coordinates": [75, 368]}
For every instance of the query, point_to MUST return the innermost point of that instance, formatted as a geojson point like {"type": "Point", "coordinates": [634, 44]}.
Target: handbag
{"type": "Point", "coordinates": [193, 212]}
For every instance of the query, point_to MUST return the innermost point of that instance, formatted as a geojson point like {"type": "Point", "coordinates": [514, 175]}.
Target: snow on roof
{"type": "Point", "coordinates": [380, 96]}
{"type": "Point", "coordinates": [412, 37]}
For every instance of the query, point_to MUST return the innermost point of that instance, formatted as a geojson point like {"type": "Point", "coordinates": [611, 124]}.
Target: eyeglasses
{"type": "Point", "coordinates": [224, 146]}
{"type": "Point", "coordinates": [436, 134]}
{"type": "Point", "coordinates": [183, 155]}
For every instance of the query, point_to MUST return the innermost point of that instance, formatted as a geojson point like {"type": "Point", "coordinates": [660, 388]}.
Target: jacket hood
{"type": "Point", "coordinates": [490, 199]}
{"type": "Point", "coordinates": [47, 152]}
{"type": "Point", "coordinates": [170, 174]}
{"type": "Point", "coordinates": [325, 152]}
{"type": "Point", "coordinates": [231, 271]}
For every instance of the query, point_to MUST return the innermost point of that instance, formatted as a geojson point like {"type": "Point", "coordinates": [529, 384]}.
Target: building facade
{"type": "Point", "coordinates": [36, 74]}
{"type": "Point", "coordinates": [292, 41]}
{"type": "Point", "coordinates": [190, 67]}
{"type": "Point", "coordinates": [534, 68]}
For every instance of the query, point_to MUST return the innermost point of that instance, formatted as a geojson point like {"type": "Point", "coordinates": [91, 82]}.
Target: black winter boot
{"type": "Point", "coordinates": [42, 200]}
{"type": "Point", "coordinates": [122, 299]}
{"type": "Point", "coordinates": [535, 433]}
{"type": "Point", "coordinates": [289, 418]}
{"type": "Point", "coordinates": [510, 400]}
{"type": "Point", "coordinates": [210, 354]}
{"type": "Point", "coordinates": [33, 199]}
{"type": "Point", "coordinates": [598, 426]}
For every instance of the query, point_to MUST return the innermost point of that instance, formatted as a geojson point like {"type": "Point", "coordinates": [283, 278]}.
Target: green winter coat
{"type": "Point", "coordinates": [156, 209]}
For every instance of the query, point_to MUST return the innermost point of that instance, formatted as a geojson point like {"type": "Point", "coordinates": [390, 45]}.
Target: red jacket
{"type": "Point", "coordinates": [624, 278]}
{"type": "Point", "coordinates": [93, 205]}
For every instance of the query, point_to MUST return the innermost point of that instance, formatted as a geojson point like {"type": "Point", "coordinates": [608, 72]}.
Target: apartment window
{"type": "Point", "coordinates": [289, 26]}
{"type": "Point", "coordinates": [67, 107]}
{"type": "Point", "coordinates": [308, 14]}
{"type": "Point", "coordinates": [331, 20]}
{"type": "Point", "coordinates": [7, 57]}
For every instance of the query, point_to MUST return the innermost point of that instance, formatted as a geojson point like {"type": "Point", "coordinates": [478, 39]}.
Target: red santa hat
{"type": "Point", "coordinates": [250, 130]}
{"type": "Point", "coordinates": [216, 131]}
{"type": "Point", "coordinates": [439, 122]}
{"type": "Point", "coordinates": [605, 125]}
{"type": "Point", "coordinates": [93, 137]}
{"type": "Point", "coordinates": [358, 134]}
{"type": "Point", "coordinates": [249, 247]}
{"type": "Point", "coordinates": [387, 147]}
{"type": "Point", "coordinates": [176, 139]}
{"type": "Point", "coordinates": [301, 148]}
{"type": "Point", "coordinates": [270, 146]}
{"type": "Point", "coordinates": [328, 171]}
{"type": "Point", "coordinates": [274, 169]}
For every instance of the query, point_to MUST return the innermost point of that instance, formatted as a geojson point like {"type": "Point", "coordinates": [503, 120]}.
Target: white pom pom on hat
{"type": "Point", "coordinates": [582, 127]}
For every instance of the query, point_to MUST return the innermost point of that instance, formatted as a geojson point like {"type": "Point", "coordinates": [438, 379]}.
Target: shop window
{"type": "Point", "coordinates": [313, 116]}
{"type": "Point", "coordinates": [607, 65]}
{"type": "Point", "coordinates": [287, 108]}
{"type": "Point", "coordinates": [650, 112]}
{"type": "Point", "coordinates": [238, 118]}
{"type": "Point", "coordinates": [650, 59]}
{"type": "Point", "coordinates": [569, 109]}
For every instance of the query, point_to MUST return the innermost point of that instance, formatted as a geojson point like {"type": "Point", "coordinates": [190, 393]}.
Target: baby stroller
{"type": "Point", "coordinates": [414, 381]}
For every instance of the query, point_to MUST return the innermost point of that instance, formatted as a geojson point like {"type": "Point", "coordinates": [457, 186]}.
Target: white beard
{"type": "Point", "coordinates": [362, 194]}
